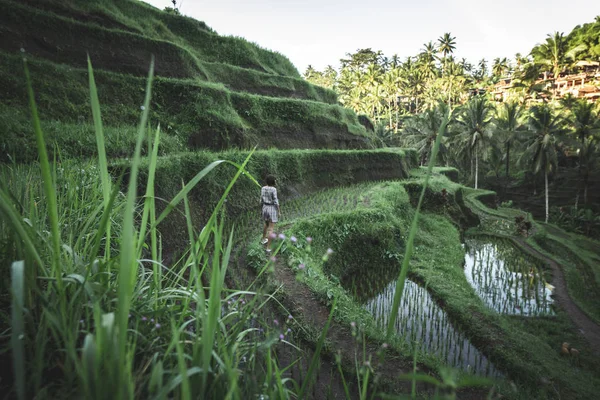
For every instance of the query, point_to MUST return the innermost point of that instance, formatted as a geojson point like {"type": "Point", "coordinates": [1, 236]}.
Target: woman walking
{"type": "Point", "coordinates": [270, 210]}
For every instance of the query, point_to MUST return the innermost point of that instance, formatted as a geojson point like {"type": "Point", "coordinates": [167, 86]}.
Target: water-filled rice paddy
{"type": "Point", "coordinates": [506, 280]}
{"type": "Point", "coordinates": [422, 323]}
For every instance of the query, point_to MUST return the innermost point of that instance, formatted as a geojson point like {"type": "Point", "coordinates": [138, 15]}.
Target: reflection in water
{"type": "Point", "coordinates": [505, 280]}
{"type": "Point", "coordinates": [421, 321]}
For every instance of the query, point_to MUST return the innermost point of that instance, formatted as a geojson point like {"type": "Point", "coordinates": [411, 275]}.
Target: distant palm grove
{"type": "Point", "coordinates": [534, 113]}
{"type": "Point", "coordinates": [387, 89]}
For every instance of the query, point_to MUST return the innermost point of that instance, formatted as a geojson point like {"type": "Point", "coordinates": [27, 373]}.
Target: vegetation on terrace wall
{"type": "Point", "coordinates": [191, 113]}
{"type": "Point", "coordinates": [67, 41]}
{"type": "Point", "coordinates": [297, 172]}
{"type": "Point", "coordinates": [142, 19]}
{"type": "Point", "coordinates": [213, 92]}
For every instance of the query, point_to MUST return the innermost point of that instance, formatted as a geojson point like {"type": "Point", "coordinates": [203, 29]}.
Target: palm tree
{"type": "Point", "coordinates": [393, 82]}
{"type": "Point", "coordinates": [426, 60]}
{"type": "Point", "coordinates": [589, 161]}
{"type": "Point", "coordinates": [310, 72]}
{"type": "Point", "coordinates": [509, 125]}
{"type": "Point", "coordinates": [395, 61]}
{"type": "Point", "coordinates": [474, 123]}
{"type": "Point", "coordinates": [446, 44]}
{"type": "Point", "coordinates": [585, 120]}
{"type": "Point", "coordinates": [421, 131]}
{"type": "Point", "coordinates": [568, 101]}
{"type": "Point", "coordinates": [428, 53]}
{"type": "Point", "coordinates": [466, 66]}
{"type": "Point", "coordinates": [546, 127]}
{"type": "Point", "coordinates": [520, 61]}
{"type": "Point", "coordinates": [389, 83]}
{"type": "Point", "coordinates": [372, 79]}
{"type": "Point", "coordinates": [499, 67]}
{"type": "Point", "coordinates": [481, 73]}
{"type": "Point", "coordinates": [555, 53]}
{"type": "Point", "coordinates": [330, 76]}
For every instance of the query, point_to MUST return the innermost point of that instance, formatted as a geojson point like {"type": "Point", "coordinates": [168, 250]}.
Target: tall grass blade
{"type": "Point", "coordinates": [18, 326]}
{"type": "Point", "coordinates": [205, 233]}
{"type": "Point", "coordinates": [191, 184]}
{"type": "Point", "coordinates": [88, 358]}
{"type": "Point", "coordinates": [344, 383]}
{"type": "Point", "coordinates": [104, 222]}
{"type": "Point", "coordinates": [49, 189]}
{"type": "Point", "coordinates": [149, 197]}
{"type": "Point", "coordinates": [214, 309]}
{"type": "Point", "coordinates": [100, 143]}
{"type": "Point", "coordinates": [102, 161]}
{"type": "Point", "coordinates": [413, 231]}
{"type": "Point", "coordinates": [183, 369]}
{"type": "Point", "coordinates": [128, 251]}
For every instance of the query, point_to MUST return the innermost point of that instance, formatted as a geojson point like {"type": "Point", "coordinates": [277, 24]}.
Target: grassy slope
{"type": "Point", "coordinates": [214, 92]}
{"type": "Point", "coordinates": [528, 354]}
{"type": "Point", "coordinates": [297, 171]}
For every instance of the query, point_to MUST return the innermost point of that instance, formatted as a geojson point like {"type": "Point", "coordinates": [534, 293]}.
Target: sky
{"type": "Point", "coordinates": [321, 32]}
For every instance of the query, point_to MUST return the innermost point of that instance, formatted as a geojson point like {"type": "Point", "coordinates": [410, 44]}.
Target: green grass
{"type": "Point", "coordinates": [580, 272]}
{"type": "Point", "coordinates": [365, 224]}
{"type": "Point", "coordinates": [142, 19]}
{"type": "Point", "coordinates": [116, 50]}
{"type": "Point", "coordinates": [228, 119]}
{"type": "Point", "coordinates": [297, 171]}
{"type": "Point", "coordinates": [526, 354]}
{"type": "Point", "coordinates": [87, 311]}
{"type": "Point", "coordinates": [212, 92]}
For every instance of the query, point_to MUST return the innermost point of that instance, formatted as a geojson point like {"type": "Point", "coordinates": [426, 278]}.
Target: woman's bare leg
{"type": "Point", "coordinates": [270, 228]}
{"type": "Point", "coordinates": [265, 232]}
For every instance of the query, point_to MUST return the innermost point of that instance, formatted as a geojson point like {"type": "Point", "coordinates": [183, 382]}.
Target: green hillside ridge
{"type": "Point", "coordinates": [132, 16]}
{"type": "Point", "coordinates": [211, 91]}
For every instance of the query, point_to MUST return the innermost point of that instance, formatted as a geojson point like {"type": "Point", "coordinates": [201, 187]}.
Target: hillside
{"type": "Point", "coordinates": [210, 91]}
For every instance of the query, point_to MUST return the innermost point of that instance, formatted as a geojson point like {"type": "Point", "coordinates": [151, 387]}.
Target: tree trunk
{"type": "Point", "coordinates": [397, 106]}
{"type": "Point", "coordinates": [450, 96]}
{"type": "Point", "coordinates": [507, 157]}
{"type": "Point", "coordinates": [585, 190]}
{"type": "Point", "coordinates": [471, 166]}
{"type": "Point", "coordinates": [546, 182]}
{"type": "Point", "coordinates": [476, 167]}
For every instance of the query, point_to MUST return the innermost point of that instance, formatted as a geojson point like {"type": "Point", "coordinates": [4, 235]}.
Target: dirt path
{"type": "Point", "coordinates": [588, 328]}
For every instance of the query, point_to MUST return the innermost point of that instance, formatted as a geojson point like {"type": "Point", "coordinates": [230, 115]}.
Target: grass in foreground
{"type": "Point", "coordinates": [92, 302]}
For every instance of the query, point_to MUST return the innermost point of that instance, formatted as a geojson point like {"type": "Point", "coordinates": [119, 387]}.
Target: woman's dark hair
{"type": "Point", "coordinates": [270, 180]}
